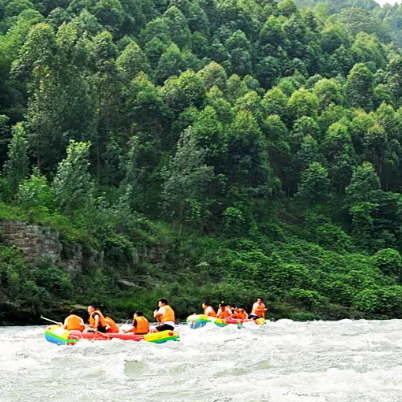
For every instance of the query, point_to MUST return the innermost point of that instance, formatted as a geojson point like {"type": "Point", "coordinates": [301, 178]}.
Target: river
{"type": "Point", "coordinates": [285, 361]}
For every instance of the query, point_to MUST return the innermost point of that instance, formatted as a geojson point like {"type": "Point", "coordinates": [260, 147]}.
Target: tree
{"type": "Point", "coordinates": [360, 87]}
{"type": "Point", "coordinates": [145, 107]}
{"type": "Point", "coordinates": [208, 131]}
{"type": "Point", "coordinates": [110, 14]}
{"type": "Point", "coordinates": [36, 65]}
{"type": "Point", "coordinates": [213, 74]}
{"type": "Point", "coordinates": [239, 49]}
{"type": "Point", "coordinates": [277, 140]}
{"type": "Point", "coordinates": [132, 61]}
{"type": "Point", "coordinates": [246, 163]}
{"type": "Point", "coordinates": [108, 100]}
{"type": "Point", "coordinates": [130, 166]}
{"type": "Point", "coordinates": [303, 127]}
{"type": "Point", "coordinates": [370, 50]}
{"type": "Point", "coordinates": [171, 63]}
{"type": "Point", "coordinates": [35, 192]}
{"type": "Point", "coordinates": [251, 101]}
{"type": "Point", "coordinates": [222, 107]}
{"type": "Point", "coordinates": [85, 23]}
{"type": "Point", "coordinates": [358, 128]}
{"type": "Point", "coordinates": [389, 261]}
{"type": "Point", "coordinates": [186, 180]}
{"type": "Point", "coordinates": [183, 91]}
{"type": "Point", "coordinates": [364, 181]}
{"type": "Point", "coordinates": [303, 103]}
{"type": "Point", "coordinates": [17, 165]}
{"type": "Point", "coordinates": [314, 184]}
{"type": "Point", "coordinates": [288, 8]}
{"type": "Point", "coordinates": [332, 37]}
{"type": "Point", "coordinates": [356, 20]}
{"type": "Point", "coordinates": [268, 71]}
{"type": "Point", "coordinates": [375, 146]}
{"type": "Point", "coordinates": [338, 149]}
{"type": "Point", "coordinates": [272, 35]}
{"type": "Point", "coordinates": [4, 134]}
{"type": "Point", "coordinates": [178, 26]}
{"type": "Point", "coordinates": [394, 78]}
{"type": "Point", "coordinates": [72, 186]}
{"type": "Point", "coordinates": [235, 88]}
{"type": "Point", "coordinates": [360, 200]}
{"type": "Point", "coordinates": [327, 92]}
{"type": "Point", "coordinates": [308, 153]}
{"type": "Point", "coordinates": [276, 102]}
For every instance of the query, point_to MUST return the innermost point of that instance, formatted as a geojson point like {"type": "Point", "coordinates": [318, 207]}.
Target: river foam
{"type": "Point", "coordinates": [285, 361]}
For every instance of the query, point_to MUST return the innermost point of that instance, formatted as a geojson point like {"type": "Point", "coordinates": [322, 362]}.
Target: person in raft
{"type": "Point", "coordinates": [113, 328]}
{"type": "Point", "coordinates": [97, 321]}
{"type": "Point", "coordinates": [208, 310]}
{"type": "Point", "coordinates": [224, 311]}
{"type": "Point", "coordinates": [165, 315]}
{"type": "Point", "coordinates": [140, 324]}
{"type": "Point", "coordinates": [258, 310]}
{"type": "Point", "coordinates": [73, 322]}
{"type": "Point", "coordinates": [239, 313]}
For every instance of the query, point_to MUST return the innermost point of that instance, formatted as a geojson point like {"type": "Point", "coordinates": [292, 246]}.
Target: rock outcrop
{"type": "Point", "coordinates": [42, 241]}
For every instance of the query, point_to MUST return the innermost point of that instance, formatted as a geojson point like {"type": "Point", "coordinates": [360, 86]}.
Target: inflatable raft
{"type": "Point", "coordinates": [200, 320]}
{"type": "Point", "coordinates": [60, 336]}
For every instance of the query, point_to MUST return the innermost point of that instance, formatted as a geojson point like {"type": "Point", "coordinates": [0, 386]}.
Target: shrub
{"type": "Point", "coordinates": [306, 298]}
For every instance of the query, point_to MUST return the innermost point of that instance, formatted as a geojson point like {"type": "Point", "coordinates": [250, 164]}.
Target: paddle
{"type": "Point", "coordinates": [48, 319]}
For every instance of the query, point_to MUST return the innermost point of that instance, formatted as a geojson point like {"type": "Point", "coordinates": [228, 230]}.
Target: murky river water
{"type": "Point", "coordinates": [346, 361]}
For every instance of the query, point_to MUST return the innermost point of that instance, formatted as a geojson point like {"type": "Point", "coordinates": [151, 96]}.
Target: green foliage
{"type": "Point", "coordinates": [389, 261]}
{"type": "Point", "coordinates": [269, 134]}
{"type": "Point", "coordinates": [306, 298]}
{"type": "Point", "coordinates": [35, 192]}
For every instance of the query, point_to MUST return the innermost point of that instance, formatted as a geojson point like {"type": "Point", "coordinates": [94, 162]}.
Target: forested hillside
{"type": "Point", "coordinates": [256, 145]}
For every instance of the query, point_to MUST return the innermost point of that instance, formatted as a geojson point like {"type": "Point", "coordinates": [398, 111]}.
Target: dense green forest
{"type": "Point", "coordinates": [255, 146]}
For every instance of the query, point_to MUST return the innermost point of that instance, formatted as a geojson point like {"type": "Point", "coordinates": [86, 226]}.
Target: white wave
{"type": "Point", "coordinates": [284, 361]}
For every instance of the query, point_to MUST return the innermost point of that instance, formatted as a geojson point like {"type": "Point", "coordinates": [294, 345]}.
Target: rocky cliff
{"type": "Point", "coordinates": [40, 241]}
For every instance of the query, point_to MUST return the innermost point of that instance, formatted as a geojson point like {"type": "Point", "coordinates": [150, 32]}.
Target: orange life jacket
{"type": "Point", "coordinates": [102, 321]}
{"type": "Point", "coordinates": [114, 329]}
{"type": "Point", "coordinates": [142, 325]}
{"type": "Point", "coordinates": [240, 314]}
{"type": "Point", "coordinates": [225, 313]}
{"type": "Point", "coordinates": [256, 307]}
{"type": "Point", "coordinates": [168, 315]}
{"type": "Point", "coordinates": [210, 312]}
{"type": "Point", "coordinates": [73, 322]}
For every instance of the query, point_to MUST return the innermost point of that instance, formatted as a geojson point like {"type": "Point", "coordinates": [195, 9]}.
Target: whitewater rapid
{"type": "Point", "coordinates": [284, 361]}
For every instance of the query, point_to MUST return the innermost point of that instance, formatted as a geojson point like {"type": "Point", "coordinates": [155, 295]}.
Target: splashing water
{"type": "Point", "coordinates": [285, 361]}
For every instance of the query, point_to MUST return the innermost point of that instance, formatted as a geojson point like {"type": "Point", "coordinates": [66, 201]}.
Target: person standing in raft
{"type": "Point", "coordinates": [165, 315]}
{"type": "Point", "coordinates": [208, 310]}
{"type": "Point", "coordinates": [97, 321]}
{"type": "Point", "coordinates": [258, 310]}
{"type": "Point", "coordinates": [140, 324]}
{"type": "Point", "coordinates": [73, 322]}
